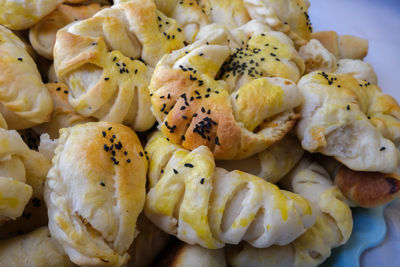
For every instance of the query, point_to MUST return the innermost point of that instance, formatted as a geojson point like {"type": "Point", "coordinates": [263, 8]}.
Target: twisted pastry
{"type": "Point", "coordinates": [24, 100]}
{"type": "Point", "coordinates": [95, 191]}
{"type": "Point", "coordinates": [96, 59]}
{"type": "Point", "coordinates": [332, 228]}
{"type": "Point", "coordinates": [236, 118]}
{"type": "Point", "coordinates": [350, 120]}
{"type": "Point", "coordinates": [209, 206]}
{"type": "Point", "coordinates": [287, 16]}
{"type": "Point", "coordinates": [42, 35]}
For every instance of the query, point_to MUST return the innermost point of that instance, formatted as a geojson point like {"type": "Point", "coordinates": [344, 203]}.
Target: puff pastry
{"type": "Point", "coordinates": [95, 191]}
{"type": "Point", "coordinates": [63, 114]}
{"type": "Point", "coordinates": [287, 16]}
{"type": "Point", "coordinates": [235, 121]}
{"type": "Point", "coordinates": [22, 14]}
{"type": "Point", "coordinates": [229, 13]}
{"type": "Point", "coordinates": [359, 69]}
{"type": "Point", "coordinates": [332, 228]}
{"type": "Point", "coordinates": [106, 81]}
{"type": "Point", "coordinates": [209, 206]}
{"type": "Point", "coordinates": [24, 100]}
{"type": "Point", "coordinates": [36, 249]}
{"type": "Point", "coordinates": [42, 35]}
{"type": "Point", "coordinates": [350, 120]}
{"type": "Point", "coordinates": [317, 57]}
{"type": "Point", "coordinates": [271, 164]}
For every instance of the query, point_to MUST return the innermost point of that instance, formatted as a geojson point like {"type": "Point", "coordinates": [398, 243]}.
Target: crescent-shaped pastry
{"type": "Point", "coordinates": [350, 120]}
{"type": "Point", "coordinates": [96, 58]}
{"type": "Point", "coordinates": [24, 100]}
{"type": "Point", "coordinates": [201, 204]}
{"type": "Point", "coordinates": [332, 228]}
{"type": "Point", "coordinates": [238, 115]}
{"type": "Point", "coordinates": [287, 16]}
{"type": "Point", "coordinates": [22, 14]}
{"type": "Point", "coordinates": [42, 35]}
{"type": "Point", "coordinates": [95, 191]}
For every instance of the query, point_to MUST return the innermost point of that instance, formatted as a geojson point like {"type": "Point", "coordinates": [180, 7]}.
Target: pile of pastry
{"type": "Point", "coordinates": [185, 133]}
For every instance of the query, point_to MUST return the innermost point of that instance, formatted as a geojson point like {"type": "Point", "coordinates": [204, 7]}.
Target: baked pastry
{"type": "Point", "coordinates": [22, 14]}
{"type": "Point", "coordinates": [343, 46]}
{"type": "Point", "coordinates": [332, 228]}
{"type": "Point", "coordinates": [368, 189]}
{"type": "Point", "coordinates": [63, 114]}
{"type": "Point", "coordinates": [349, 120]}
{"type": "Point", "coordinates": [271, 164]}
{"type": "Point", "coordinates": [180, 254]}
{"type": "Point", "coordinates": [229, 13]}
{"type": "Point", "coordinates": [42, 35]}
{"type": "Point", "coordinates": [359, 69]}
{"type": "Point", "coordinates": [236, 118]}
{"type": "Point", "coordinates": [95, 191]}
{"type": "Point", "coordinates": [317, 57]}
{"type": "Point", "coordinates": [100, 69]}
{"type": "Point", "coordinates": [287, 16]}
{"type": "Point", "coordinates": [201, 204]}
{"type": "Point", "coordinates": [147, 245]}
{"type": "Point", "coordinates": [35, 249]}
{"type": "Point", "coordinates": [24, 100]}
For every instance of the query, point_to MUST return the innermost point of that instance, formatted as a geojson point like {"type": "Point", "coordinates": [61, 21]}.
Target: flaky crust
{"type": "Point", "coordinates": [22, 14]}
{"type": "Point", "coordinates": [42, 35]}
{"type": "Point", "coordinates": [368, 189]}
{"type": "Point", "coordinates": [93, 196]}
{"type": "Point", "coordinates": [350, 120]}
{"type": "Point", "coordinates": [24, 100]}
{"type": "Point", "coordinates": [359, 69]}
{"type": "Point", "coordinates": [238, 115]}
{"type": "Point", "coordinates": [317, 57]}
{"type": "Point", "coordinates": [209, 206]}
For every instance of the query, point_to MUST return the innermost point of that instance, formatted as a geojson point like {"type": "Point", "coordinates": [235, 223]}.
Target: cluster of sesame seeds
{"type": "Point", "coordinates": [203, 128]}
{"type": "Point", "coordinates": [330, 80]}
{"type": "Point", "coordinates": [114, 147]}
{"type": "Point", "coordinates": [59, 89]}
{"type": "Point", "coordinates": [365, 84]}
{"type": "Point", "coordinates": [163, 26]}
{"type": "Point", "coordinates": [308, 21]}
{"type": "Point", "coordinates": [122, 67]}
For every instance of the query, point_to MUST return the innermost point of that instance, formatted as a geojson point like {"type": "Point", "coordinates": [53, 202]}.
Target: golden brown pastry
{"type": "Point", "coordinates": [229, 13]}
{"type": "Point", "coordinates": [22, 14]}
{"type": "Point", "coordinates": [42, 35]}
{"type": "Point", "coordinates": [238, 115]}
{"type": "Point", "coordinates": [332, 228]}
{"type": "Point", "coordinates": [24, 100]}
{"type": "Point", "coordinates": [35, 249]}
{"type": "Point", "coordinates": [180, 254]}
{"type": "Point", "coordinates": [95, 191]}
{"type": "Point", "coordinates": [287, 16]}
{"type": "Point", "coordinates": [368, 189]}
{"type": "Point", "coordinates": [63, 114]}
{"type": "Point", "coordinates": [201, 204]}
{"type": "Point", "coordinates": [350, 120]}
{"type": "Point", "coordinates": [344, 46]}
{"type": "Point", "coordinates": [96, 59]}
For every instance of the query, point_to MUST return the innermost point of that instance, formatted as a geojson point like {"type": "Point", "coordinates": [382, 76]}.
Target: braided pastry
{"type": "Point", "coordinates": [351, 120]}
{"type": "Point", "coordinates": [95, 191]}
{"type": "Point", "coordinates": [236, 118]}
{"type": "Point", "coordinates": [209, 206]}
{"type": "Point", "coordinates": [332, 228]}
{"type": "Point", "coordinates": [96, 59]}
{"type": "Point", "coordinates": [24, 100]}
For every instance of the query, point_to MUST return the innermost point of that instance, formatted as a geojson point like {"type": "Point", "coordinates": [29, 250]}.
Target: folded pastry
{"type": "Point", "coordinates": [24, 99]}
{"type": "Point", "coordinates": [36, 249]}
{"type": "Point", "coordinates": [95, 191]}
{"type": "Point", "coordinates": [229, 13]}
{"type": "Point", "coordinates": [359, 69]}
{"type": "Point", "coordinates": [331, 229]}
{"type": "Point", "coordinates": [235, 118]}
{"type": "Point", "coordinates": [43, 34]}
{"type": "Point", "coordinates": [350, 120]}
{"type": "Point", "coordinates": [96, 59]}
{"type": "Point", "coordinates": [343, 46]}
{"type": "Point", "coordinates": [180, 254]}
{"type": "Point", "coordinates": [287, 16]}
{"type": "Point", "coordinates": [201, 204]}
{"type": "Point", "coordinates": [22, 14]}
{"type": "Point", "coordinates": [147, 245]}
{"type": "Point", "coordinates": [63, 114]}
{"type": "Point", "coordinates": [317, 57]}
{"type": "Point", "coordinates": [271, 164]}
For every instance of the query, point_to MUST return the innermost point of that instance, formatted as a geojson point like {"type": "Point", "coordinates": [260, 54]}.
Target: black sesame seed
{"type": "Point", "coordinates": [128, 160]}
{"type": "Point", "coordinates": [106, 148]}
{"type": "Point", "coordinates": [65, 92]}
{"type": "Point", "coordinates": [382, 148]}
{"type": "Point", "coordinates": [189, 165]}
{"type": "Point", "coordinates": [141, 154]}
{"type": "Point", "coordinates": [103, 133]}
{"type": "Point", "coordinates": [109, 128]}
{"type": "Point", "coordinates": [202, 180]}
{"type": "Point", "coordinates": [175, 171]}
{"type": "Point", "coordinates": [106, 79]}
{"type": "Point", "coordinates": [348, 107]}
{"type": "Point", "coordinates": [102, 183]}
